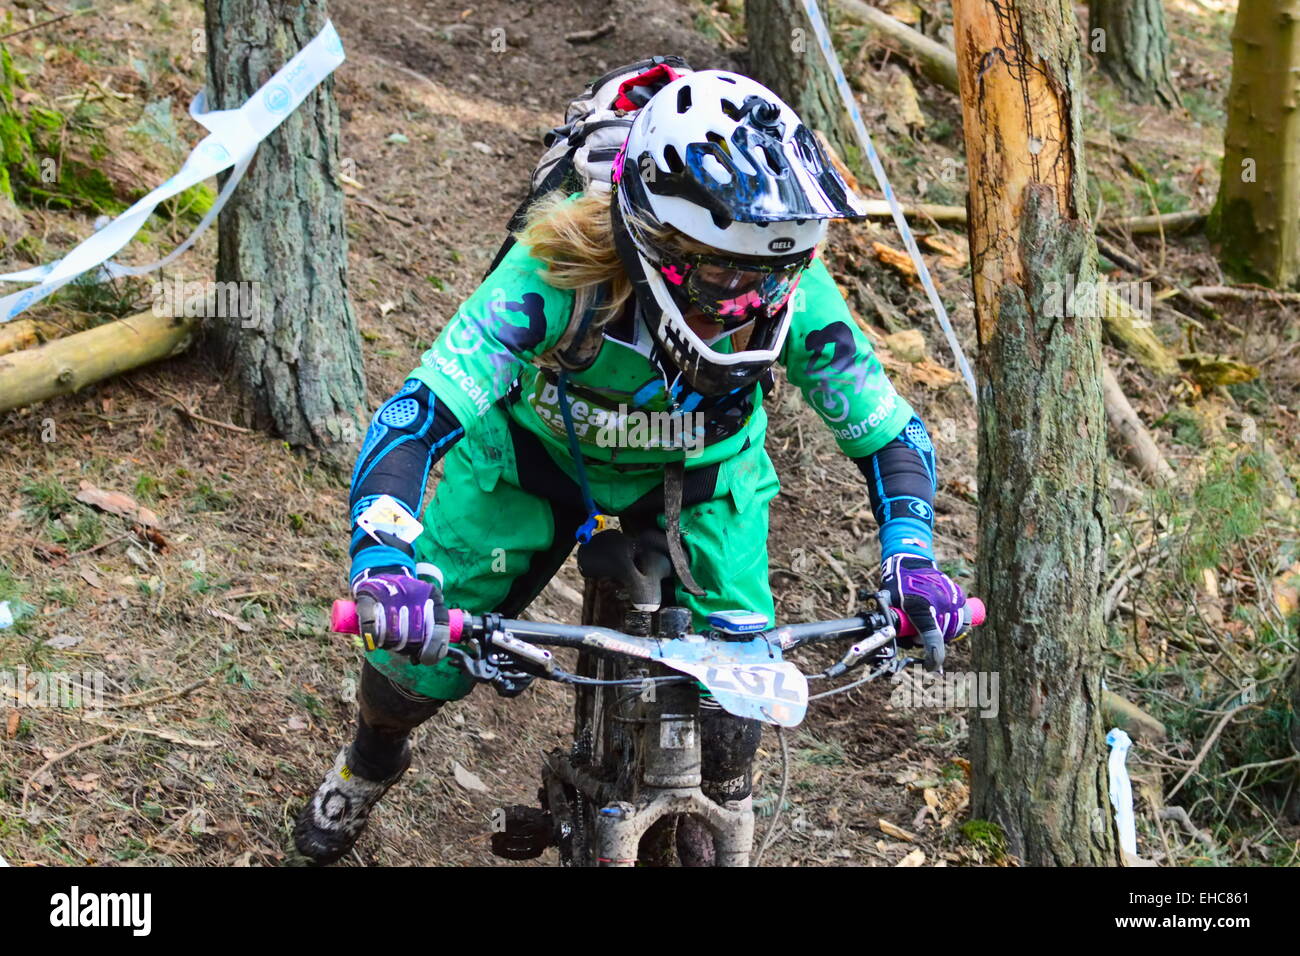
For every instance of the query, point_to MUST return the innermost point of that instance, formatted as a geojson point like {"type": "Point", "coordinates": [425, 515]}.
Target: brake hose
{"type": "Point", "coordinates": [780, 798]}
{"type": "Point", "coordinates": [878, 170]}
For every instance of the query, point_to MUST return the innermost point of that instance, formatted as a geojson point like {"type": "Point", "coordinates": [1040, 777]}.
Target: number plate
{"type": "Point", "coordinates": [743, 678]}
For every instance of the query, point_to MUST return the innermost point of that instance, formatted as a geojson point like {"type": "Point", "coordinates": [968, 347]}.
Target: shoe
{"type": "Point", "coordinates": [330, 823]}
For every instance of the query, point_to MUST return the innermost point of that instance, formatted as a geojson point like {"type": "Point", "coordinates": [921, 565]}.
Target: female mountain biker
{"type": "Point", "coordinates": [670, 294]}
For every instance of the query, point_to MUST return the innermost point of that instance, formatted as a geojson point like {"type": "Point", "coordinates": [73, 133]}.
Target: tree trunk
{"type": "Point", "coordinates": [784, 56]}
{"type": "Point", "coordinates": [300, 362]}
{"type": "Point", "coordinates": [1131, 42]}
{"type": "Point", "coordinates": [1256, 220]}
{"type": "Point", "coordinates": [1040, 769]}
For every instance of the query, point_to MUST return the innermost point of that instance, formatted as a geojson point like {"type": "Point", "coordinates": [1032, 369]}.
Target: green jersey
{"type": "Point", "coordinates": [625, 411]}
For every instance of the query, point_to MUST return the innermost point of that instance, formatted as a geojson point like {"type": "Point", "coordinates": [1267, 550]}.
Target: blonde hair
{"type": "Point", "coordinates": [575, 239]}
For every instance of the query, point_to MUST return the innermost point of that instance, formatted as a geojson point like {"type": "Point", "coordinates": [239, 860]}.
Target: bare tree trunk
{"type": "Point", "coordinates": [1256, 220]}
{"type": "Point", "coordinates": [1040, 765]}
{"type": "Point", "coordinates": [300, 361]}
{"type": "Point", "coordinates": [1131, 42]}
{"type": "Point", "coordinates": [784, 56]}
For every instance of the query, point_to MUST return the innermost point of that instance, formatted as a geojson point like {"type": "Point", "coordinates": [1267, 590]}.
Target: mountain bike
{"type": "Point", "coordinates": [632, 773]}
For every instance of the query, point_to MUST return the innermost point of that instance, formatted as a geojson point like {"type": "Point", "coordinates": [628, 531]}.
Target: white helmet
{"type": "Point", "coordinates": [723, 161]}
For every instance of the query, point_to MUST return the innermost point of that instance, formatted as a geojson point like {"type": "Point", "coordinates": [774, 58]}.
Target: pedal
{"type": "Point", "coordinates": [525, 835]}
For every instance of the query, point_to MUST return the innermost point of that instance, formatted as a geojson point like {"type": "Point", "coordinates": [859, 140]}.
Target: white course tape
{"type": "Point", "coordinates": [1121, 790]}
{"type": "Point", "coordinates": [234, 136]}
{"type": "Point", "coordinates": [878, 170]}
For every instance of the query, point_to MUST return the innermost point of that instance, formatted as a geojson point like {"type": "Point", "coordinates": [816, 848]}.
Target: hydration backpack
{"type": "Point", "coordinates": [580, 154]}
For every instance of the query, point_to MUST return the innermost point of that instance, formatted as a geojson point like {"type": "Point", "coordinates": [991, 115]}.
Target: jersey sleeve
{"type": "Point", "coordinates": [511, 318]}
{"type": "Point", "coordinates": [828, 358]}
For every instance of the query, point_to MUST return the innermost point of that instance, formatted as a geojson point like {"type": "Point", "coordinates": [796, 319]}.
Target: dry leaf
{"type": "Point", "coordinates": [468, 780]}
{"type": "Point", "coordinates": [84, 784]}
{"type": "Point", "coordinates": [154, 537]}
{"type": "Point", "coordinates": [896, 259]}
{"type": "Point", "coordinates": [930, 373]}
{"type": "Point", "coordinates": [114, 502]}
{"type": "Point", "coordinates": [242, 626]}
{"type": "Point", "coordinates": [1286, 590]}
{"type": "Point", "coordinates": [931, 798]}
{"type": "Point", "coordinates": [90, 577]}
{"type": "Point", "coordinates": [11, 724]}
{"type": "Point", "coordinates": [909, 345]}
{"type": "Point", "coordinates": [915, 858]}
{"type": "Point", "coordinates": [897, 832]}
{"type": "Point", "coordinates": [297, 723]}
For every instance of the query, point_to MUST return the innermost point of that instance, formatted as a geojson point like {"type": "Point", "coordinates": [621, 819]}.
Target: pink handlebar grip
{"type": "Point", "coordinates": [343, 617]}
{"type": "Point", "coordinates": [973, 604]}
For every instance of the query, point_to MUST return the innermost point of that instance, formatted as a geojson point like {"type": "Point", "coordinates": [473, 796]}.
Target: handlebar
{"type": "Point", "coordinates": [461, 624]}
{"type": "Point", "coordinates": [744, 671]}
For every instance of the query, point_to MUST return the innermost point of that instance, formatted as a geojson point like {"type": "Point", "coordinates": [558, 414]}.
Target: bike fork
{"type": "Point", "coordinates": [620, 826]}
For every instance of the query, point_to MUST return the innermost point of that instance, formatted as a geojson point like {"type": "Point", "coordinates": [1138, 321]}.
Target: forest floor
{"type": "Point", "coordinates": [440, 131]}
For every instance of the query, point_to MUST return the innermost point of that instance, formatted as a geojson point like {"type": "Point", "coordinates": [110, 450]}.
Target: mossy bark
{"type": "Point", "coordinates": [300, 362]}
{"type": "Point", "coordinates": [1133, 47]}
{"type": "Point", "coordinates": [1256, 220]}
{"type": "Point", "coordinates": [1040, 764]}
{"type": "Point", "coordinates": [784, 56]}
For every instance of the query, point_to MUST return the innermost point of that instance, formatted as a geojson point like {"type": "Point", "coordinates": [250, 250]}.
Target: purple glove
{"type": "Point", "coordinates": [399, 611]}
{"type": "Point", "coordinates": [929, 598]}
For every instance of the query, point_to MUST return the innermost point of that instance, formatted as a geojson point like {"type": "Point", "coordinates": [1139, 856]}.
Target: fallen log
{"type": "Point", "coordinates": [68, 364]}
{"type": "Point", "coordinates": [1136, 225]}
{"type": "Point", "coordinates": [1185, 221]}
{"type": "Point", "coordinates": [1139, 447]}
{"type": "Point", "coordinates": [1130, 718]}
{"type": "Point", "coordinates": [1244, 293]}
{"type": "Point", "coordinates": [935, 60]}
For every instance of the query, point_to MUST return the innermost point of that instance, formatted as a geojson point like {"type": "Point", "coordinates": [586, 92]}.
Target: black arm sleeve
{"type": "Point", "coordinates": [901, 482]}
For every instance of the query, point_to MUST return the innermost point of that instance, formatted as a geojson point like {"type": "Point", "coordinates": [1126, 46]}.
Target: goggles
{"type": "Point", "coordinates": [732, 291]}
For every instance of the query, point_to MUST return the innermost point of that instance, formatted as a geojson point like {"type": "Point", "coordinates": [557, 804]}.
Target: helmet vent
{"type": "Point", "coordinates": [731, 110]}
{"type": "Point", "coordinates": [684, 99]}
{"type": "Point", "coordinates": [673, 159]}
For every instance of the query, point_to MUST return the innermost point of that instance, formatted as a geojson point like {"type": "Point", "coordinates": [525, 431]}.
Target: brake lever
{"type": "Point", "coordinates": [881, 640]}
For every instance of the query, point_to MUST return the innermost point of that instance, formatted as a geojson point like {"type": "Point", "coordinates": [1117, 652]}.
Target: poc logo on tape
{"type": "Point", "coordinates": [276, 99]}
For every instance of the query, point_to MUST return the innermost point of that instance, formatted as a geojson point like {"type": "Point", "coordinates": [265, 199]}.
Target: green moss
{"type": "Point", "coordinates": [987, 837]}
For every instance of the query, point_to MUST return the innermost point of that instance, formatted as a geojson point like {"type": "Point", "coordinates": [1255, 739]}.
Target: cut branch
{"type": "Point", "coordinates": [68, 364]}
{"type": "Point", "coordinates": [935, 60]}
{"type": "Point", "coordinates": [1139, 447]}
